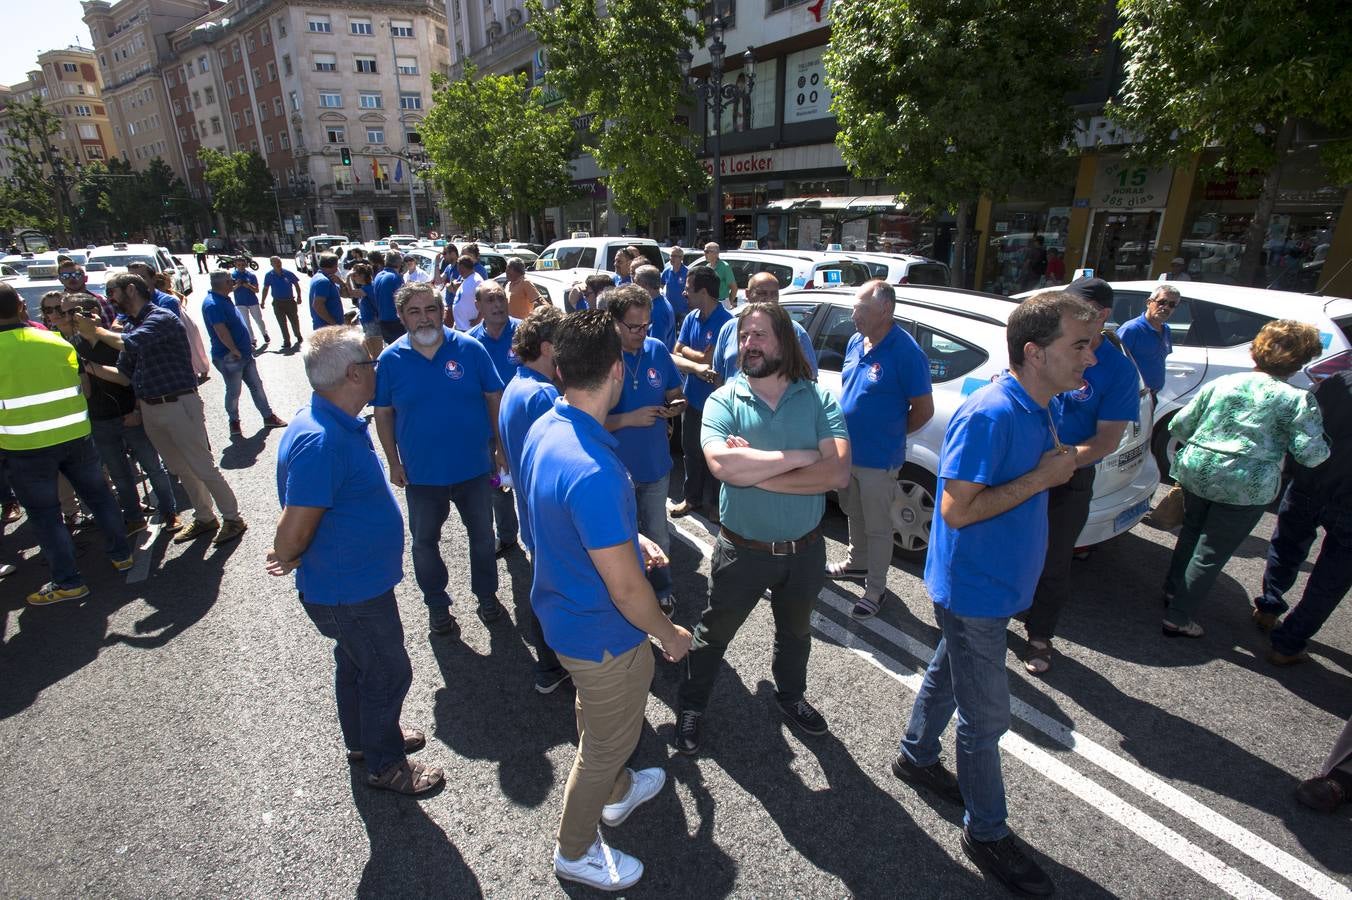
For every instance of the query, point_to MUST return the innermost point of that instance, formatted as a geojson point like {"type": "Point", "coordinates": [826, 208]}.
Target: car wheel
{"type": "Point", "coordinates": [1164, 446]}
{"type": "Point", "coordinates": [913, 512]}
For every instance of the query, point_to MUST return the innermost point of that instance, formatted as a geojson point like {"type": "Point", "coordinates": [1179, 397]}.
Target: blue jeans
{"type": "Point", "coordinates": [967, 674]}
{"type": "Point", "coordinates": [113, 440]}
{"type": "Point", "coordinates": [371, 674]}
{"type": "Point", "coordinates": [428, 507]}
{"type": "Point", "coordinates": [243, 370]}
{"type": "Point", "coordinates": [504, 514]}
{"type": "Point", "coordinates": [1298, 519]}
{"type": "Point", "coordinates": [32, 475]}
{"type": "Point", "coordinates": [652, 524]}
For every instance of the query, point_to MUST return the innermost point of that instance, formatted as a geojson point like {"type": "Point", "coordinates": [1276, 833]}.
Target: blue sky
{"type": "Point", "coordinates": [34, 26]}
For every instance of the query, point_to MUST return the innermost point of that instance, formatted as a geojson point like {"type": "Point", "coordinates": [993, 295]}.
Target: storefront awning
{"type": "Point", "coordinates": [877, 203]}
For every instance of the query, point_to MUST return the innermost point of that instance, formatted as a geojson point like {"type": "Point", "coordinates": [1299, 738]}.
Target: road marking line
{"type": "Point", "coordinates": [1248, 843]}
{"type": "Point", "coordinates": [141, 570]}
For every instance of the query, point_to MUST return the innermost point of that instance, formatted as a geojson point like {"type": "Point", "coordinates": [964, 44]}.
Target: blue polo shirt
{"type": "Point", "coordinates": [386, 282]}
{"type": "Point", "coordinates": [366, 305]}
{"type": "Point", "coordinates": [990, 568]}
{"type": "Point", "coordinates": [218, 309]}
{"type": "Point", "coordinates": [1149, 348]}
{"type": "Point", "coordinates": [244, 296]}
{"type": "Point", "coordinates": [1110, 392]}
{"type": "Point", "coordinates": [663, 323]}
{"type": "Point", "coordinates": [648, 375]}
{"type": "Point", "coordinates": [673, 286]}
{"type": "Point", "coordinates": [579, 495]}
{"type": "Point", "coordinates": [500, 350]}
{"type": "Point", "coordinates": [440, 415]}
{"type": "Point", "coordinates": [165, 301]}
{"type": "Point", "coordinates": [325, 460]}
{"type": "Point", "coordinates": [527, 397]}
{"type": "Point", "coordinates": [700, 334]}
{"type": "Point", "coordinates": [282, 285]}
{"type": "Point", "coordinates": [726, 361]}
{"type": "Point", "coordinates": [876, 392]}
{"type": "Point", "coordinates": [325, 292]}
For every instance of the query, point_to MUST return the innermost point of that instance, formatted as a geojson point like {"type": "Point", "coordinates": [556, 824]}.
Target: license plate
{"type": "Point", "coordinates": [1129, 517]}
{"type": "Point", "coordinates": [1131, 457]}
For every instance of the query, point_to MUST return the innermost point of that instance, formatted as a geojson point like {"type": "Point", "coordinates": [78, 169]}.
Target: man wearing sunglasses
{"type": "Point", "coordinates": [1147, 336]}
{"type": "Point", "coordinates": [74, 281]}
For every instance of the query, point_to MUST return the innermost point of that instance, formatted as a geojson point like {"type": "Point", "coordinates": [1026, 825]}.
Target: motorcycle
{"type": "Point", "coordinates": [226, 260]}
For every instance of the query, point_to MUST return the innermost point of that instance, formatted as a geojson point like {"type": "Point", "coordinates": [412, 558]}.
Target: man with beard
{"type": "Point", "coordinates": [778, 442]}
{"type": "Point", "coordinates": [763, 287]}
{"type": "Point", "coordinates": [999, 458]}
{"type": "Point", "coordinates": [436, 403]}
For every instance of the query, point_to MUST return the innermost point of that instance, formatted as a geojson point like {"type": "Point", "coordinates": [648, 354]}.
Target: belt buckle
{"type": "Point", "coordinates": [775, 545]}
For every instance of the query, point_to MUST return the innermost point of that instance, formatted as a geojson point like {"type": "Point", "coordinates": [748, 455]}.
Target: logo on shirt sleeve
{"type": "Point", "coordinates": [1083, 393]}
{"type": "Point", "coordinates": [874, 373]}
{"type": "Point", "coordinates": [654, 378]}
{"type": "Point", "coordinates": [513, 358]}
{"type": "Point", "coordinates": [454, 370]}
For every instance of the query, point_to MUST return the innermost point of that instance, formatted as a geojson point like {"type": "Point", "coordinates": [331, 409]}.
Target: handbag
{"type": "Point", "coordinates": [1168, 515]}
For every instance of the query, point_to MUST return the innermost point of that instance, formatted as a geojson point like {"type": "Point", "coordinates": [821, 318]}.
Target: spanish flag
{"type": "Point", "coordinates": [376, 174]}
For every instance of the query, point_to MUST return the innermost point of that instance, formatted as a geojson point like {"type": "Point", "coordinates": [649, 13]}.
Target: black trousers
{"type": "Point", "coordinates": [1067, 511]}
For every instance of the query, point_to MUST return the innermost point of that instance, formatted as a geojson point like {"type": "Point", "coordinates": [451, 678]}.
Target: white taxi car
{"type": "Point", "coordinates": [118, 256]}
{"type": "Point", "coordinates": [40, 276]}
{"type": "Point", "coordinates": [795, 270]}
{"type": "Point", "coordinates": [595, 252]}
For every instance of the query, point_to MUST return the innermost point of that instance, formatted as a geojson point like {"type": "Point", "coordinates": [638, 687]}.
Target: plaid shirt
{"type": "Point", "coordinates": [155, 354]}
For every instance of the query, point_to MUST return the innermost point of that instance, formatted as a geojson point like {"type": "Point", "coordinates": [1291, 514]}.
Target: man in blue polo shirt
{"type": "Point", "coordinates": [335, 498]}
{"type": "Point", "coordinates": [886, 395]}
{"type": "Point", "coordinates": [999, 457]}
{"type": "Point", "coordinates": [231, 356]}
{"type": "Point", "coordinates": [590, 593]}
{"type": "Point", "coordinates": [1147, 337]}
{"type": "Point", "coordinates": [285, 288]}
{"type": "Point", "coordinates": [326, 294]}
{"type": "Point", "coordinates": [246, 299]}
{"type": "Point", "coordinates": [762, 287]}
{"type": "Point", "coordinates": [693, 357]}
{"type": "Point", "coordinates": [673, 284]}
{"type": "Point", "coordinates": [436, 403]}
{"type": "Point", "coordinates": [1091, 419]}
{"type": "Point", "coordinates": [663, 326]}
{"type": "Point", "coordinates": [387, 281]}
{"type": "Point", "coordinates": [495, 331]}
{"type": "Point", "coordinates": [528, 396]}
{"type": "Point", "coordinates": [651, 395]}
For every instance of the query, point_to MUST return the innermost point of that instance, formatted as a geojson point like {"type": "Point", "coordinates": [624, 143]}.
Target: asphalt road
{"type": "Point", "coordinates": [176, 736]}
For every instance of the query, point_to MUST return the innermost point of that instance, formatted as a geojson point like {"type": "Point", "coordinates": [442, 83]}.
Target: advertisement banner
{"type": "Point", "coordinates": [806, 95]}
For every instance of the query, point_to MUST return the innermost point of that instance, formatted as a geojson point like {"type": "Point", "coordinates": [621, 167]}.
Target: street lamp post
{"type": "Point", "coordinates": [719, 96]}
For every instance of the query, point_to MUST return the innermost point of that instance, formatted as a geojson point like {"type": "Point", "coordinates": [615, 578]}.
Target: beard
{"type": "Point", "coordinates": [757, 365]}
{"type": "Point", "coordinates": [426, 335]}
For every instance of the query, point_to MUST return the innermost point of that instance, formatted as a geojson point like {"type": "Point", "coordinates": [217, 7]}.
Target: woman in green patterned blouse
{"type": "Point", "coordinates": [1236, 433]}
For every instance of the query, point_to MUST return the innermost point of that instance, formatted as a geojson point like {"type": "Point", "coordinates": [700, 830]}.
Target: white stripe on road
{"type": "Point", "coordinates": [1274, 858]}
{"type": "Point", "coordinates": [140, 571]}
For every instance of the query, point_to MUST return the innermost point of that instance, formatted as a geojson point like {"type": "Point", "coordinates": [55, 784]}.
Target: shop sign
{"type": "Point", "coordinates": [742, 164]}
{"type": "Point", "coordinates": [1122, 184]}
{"type": "Point", "coordinates": [813, 157]}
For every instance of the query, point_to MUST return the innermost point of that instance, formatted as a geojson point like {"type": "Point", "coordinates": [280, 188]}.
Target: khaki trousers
{"type": "Point", "coordinates": [179, 431]}
{"type": "Point", "coordinates": [611, 698]}
{"type": "Point", "coordinates": [868, 504]}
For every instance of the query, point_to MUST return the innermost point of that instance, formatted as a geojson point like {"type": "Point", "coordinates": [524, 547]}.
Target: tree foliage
{"type": "Point", "coordinates": [954, 99]}
{"type": "Point", "coordinates": [30, 197]}
{"type": "Point", "coordinates": [241, 188]}
{"type": "Point", "coordinates": [116, 201]}
{"type": "Point", "coordinates": [621, 72]}
{"type": "Point", "coordinates": [514, 159]}
{"type": "Point", "coordinates": [1234, 78]}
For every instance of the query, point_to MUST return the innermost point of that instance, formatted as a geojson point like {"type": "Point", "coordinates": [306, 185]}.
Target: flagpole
{"type": "Point", "coordinates": [399, 89]}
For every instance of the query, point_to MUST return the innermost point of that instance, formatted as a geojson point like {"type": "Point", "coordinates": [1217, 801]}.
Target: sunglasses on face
{"type": "Point", "coordinates": [1167, 304]}
{"type": "Point", "coordinates": [67, 276]}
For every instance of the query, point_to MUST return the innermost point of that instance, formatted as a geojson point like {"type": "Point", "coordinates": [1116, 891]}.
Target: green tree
{"type": "Point", "coordinates": [240, 187]}
{"type": "Point", "coordinates": [622, 73]}
{"type": "Point", "coordinates": [954, 99]}
{"type": "Point", "coordinates": [1235, 78]}
{"type": "Point", "coordinates": [37, 193]}
{"type": "Point", "coordinates": [513, 162]}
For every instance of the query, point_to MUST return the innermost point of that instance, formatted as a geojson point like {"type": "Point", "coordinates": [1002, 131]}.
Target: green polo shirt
{"type": "Point", "coordinates": [806, 415]}
{"type": "Point", "coordinates": [726, 280]}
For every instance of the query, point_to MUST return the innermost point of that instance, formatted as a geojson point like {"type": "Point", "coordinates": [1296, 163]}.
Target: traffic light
{"type": "Point", "coordinates": [347, 156]}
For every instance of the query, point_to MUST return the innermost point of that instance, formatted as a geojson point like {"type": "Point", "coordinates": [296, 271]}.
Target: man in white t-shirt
{"type": "Point", "coordinates": [463, 312]}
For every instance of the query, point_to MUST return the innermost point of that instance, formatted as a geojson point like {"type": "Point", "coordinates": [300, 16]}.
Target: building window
{"type": "Point", "coordinates": [94, 152]}
{"type": "Point", "coordinates": [230, 90]}
{"type": "Point", "coordinates": [272, 72]}
{"type": "Point", "coordinates": [441, 36]}
{"type": "Point", "coordinates": [284, 140]}
{"type": "Point", "coordinates": [178, 108]}
{"type": "Point", "coordinates": [367, 100]}
{"type": "Point", "coordinates": [262, 111]}
{"type": "Point", "coordinates": [336, 134]}
{"type": "Point", "coordinates": [209, 95]}
{"type": "Point", "coordinates": [89, 132]}
{"type": "Point", "coordinates": [361, 26]}
{"type": "Point", "coordinates": [277, 108]}
{"type": "Point", "coordinates": [319, 24]}
{"type": "Point", "coordinates": [366, 65]}
{"type": "Point", "coordinates": [375, 135]}
{"type": "Point", "coordinates": [281, 27]}
{"type": "Point", "coordinates": [249, 42]}
{"type": "Point", "coordinates": [196, 100]}
{"type": "Point", "coordinates": [82, 111]}
{"type": "Point", "coordinates": [202, 65]}
{"type": "Point", "coordinates": [234, 120]}
{"type": "Point", "coordinates": [295, 101]}
{"type": "Point", "coordinates": [248, 117]}
{"type": "Point", "coordinates": [234, 52]}
{"type": "Point", "coordinates": [330, 100]}
{"type": "Point", "coordinates": [182, 133]}
{"type": "Point", "coordinates": [171, 78]}
{"type": "Point", "coordinates": [215, 124]}
{"type": "Point", "coordinates": [286, 66]}
{"type": "Point", "coordinates": [257, 77]}
{"type": "Point", "coordinates": [267, 140]}
{"type": "Point", "coordinates": [69, 67]}
{"type": "Point", "coordinates": [325, 62]}
{"type": "Point", "coordinates": [410, 101]}
{"type": "Point", "coordinates": [401, 27]}
{"type": "Point", "coordinates": [407, 65]}
{"type": "Point", "coordinates": [265, 34]}
{"type": "Point", "coordinates": [239, 86]}
{"type": "Point", "coordinates": [342, 178]}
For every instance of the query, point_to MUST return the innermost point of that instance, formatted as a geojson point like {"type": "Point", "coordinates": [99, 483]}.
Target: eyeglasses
{"type": "Point", "coordinates": [641, 328]}
{"type": "Point", "coordinates": [67, 276]}
{"type": "Point", "coordinates": [368, 362]}
{"type": "Point", "coordinates": [1167, 304]}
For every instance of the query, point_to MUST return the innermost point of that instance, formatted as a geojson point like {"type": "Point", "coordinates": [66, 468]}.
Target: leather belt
{"type": "Point", "coordinates": [168, 398]}
{"type": "Point", "coordinates": [774, 548]}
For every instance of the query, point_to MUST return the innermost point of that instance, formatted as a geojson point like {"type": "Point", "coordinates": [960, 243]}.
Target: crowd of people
{"type": "Point", "coordinates": [548, 432]}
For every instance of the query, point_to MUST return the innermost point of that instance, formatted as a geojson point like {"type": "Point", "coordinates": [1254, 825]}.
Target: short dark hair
{"type": "Point", "coordinates": [128, 280]}
{"type": "Point", "coordinates": [598, 283]}
{"type": "Point", "coordinates": [624, 298]}
{"type": "Point", "coordinates": [377, 259]}
{"type": "Point", "coordinates": [328, 261]}
{"type": "Point", "coordinates": [471, 249]}
{"type": "Point", "coordinates": [534, 330]}
{"type": "Point", "coordinates": [364, 270]}
{"type": "Point", "coordinates": [703, 278]}
{"type": "Point", "coordinates": [516, 264]}
{"type": "Point", "coordinates": [11, 304]}
{"type": "Point", "coordinates": [465, 262]}
{"type": "Point", "coordinates": [795, 366]}
{"type": "Point", "coordinates": [586, 347]}
{"type": "Point", "coordinates": [393, 259]}
{"type": "Point", "coordinates": [1038, 320]}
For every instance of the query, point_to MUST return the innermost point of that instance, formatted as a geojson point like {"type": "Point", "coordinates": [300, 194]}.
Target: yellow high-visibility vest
{"type": "Point", "coordinates": [41, 404]}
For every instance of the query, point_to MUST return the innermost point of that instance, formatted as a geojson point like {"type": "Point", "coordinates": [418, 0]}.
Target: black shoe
{"type": "Point", "coordinates": [440, 621]}
{"type": "Point", "coordinates": [490, 610]}
{"type": "Point", "coordinates": [505, 548]}
{"type": "Point", "coordinates": [804, 715]}
{"type": "Point", "coordinates": [1006, 861]}
{"type": "Point", "coordinates": [687, 730]}
{"type": "Point", "coordinates": [667, 604]}
{"type": "Point", "coordinates": [548, 682]}
{"type": "Point", "coordinates": [941, 782]}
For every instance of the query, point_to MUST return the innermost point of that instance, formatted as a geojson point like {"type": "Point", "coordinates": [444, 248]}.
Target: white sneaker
{"type": "Point", "coordinates": [643, 786]}
{"type": "Point", "coordinates": [602, 867]}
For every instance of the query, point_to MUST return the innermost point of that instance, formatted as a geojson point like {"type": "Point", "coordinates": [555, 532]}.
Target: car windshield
{"type": "Point", "coordinates": [121, 261]}
{"type": "Point", "coordinates": [32, 297]}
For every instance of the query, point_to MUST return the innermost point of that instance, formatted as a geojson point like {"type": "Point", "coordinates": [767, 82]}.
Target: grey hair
{"type": "Point", "coordinates": [329, 352]}
{"type": "Point", "coordinates": [880, 292]}
{"type": "Point", "coordinates": [403, 295]}
{"type": "Point", "coordinates": [1163, 290]}
{"type": "Point", "coordinates": [488, 287]}
{"type": "Point", "coordinates": [647, 276]}
{"type": "Point", "coordinates": [516, 264]}
{"type": "Point", "coordinates": [393, 259]}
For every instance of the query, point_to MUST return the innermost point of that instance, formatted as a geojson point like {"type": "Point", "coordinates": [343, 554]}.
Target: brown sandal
{"type": "Point", "coordinates": [407, 777]}
{"type": "Point", "coordinates": [1038, 659]}
{"type": "Point", "coordinates": [414, 740]}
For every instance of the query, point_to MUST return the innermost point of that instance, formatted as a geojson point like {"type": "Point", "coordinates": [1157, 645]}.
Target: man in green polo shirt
{"type": "Point", "coordinates": [727, 282]}
{"type": "Point", "coordinates": [777, 442]}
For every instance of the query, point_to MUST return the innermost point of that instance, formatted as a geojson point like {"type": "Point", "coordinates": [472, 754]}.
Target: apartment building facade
{"type": "Point", "coordinates": [68, 82]}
